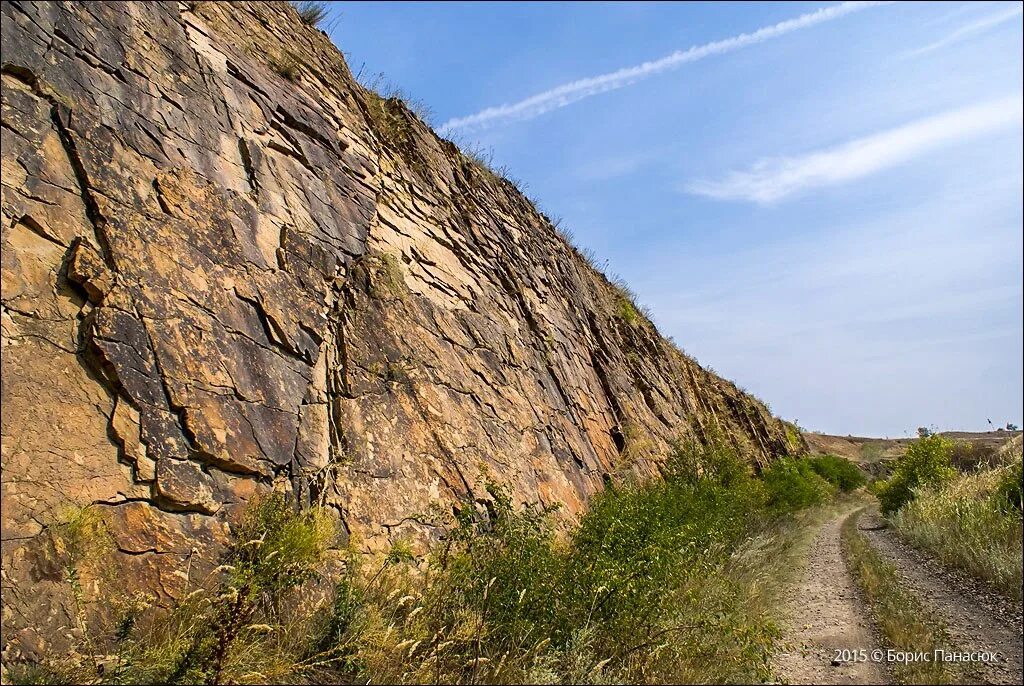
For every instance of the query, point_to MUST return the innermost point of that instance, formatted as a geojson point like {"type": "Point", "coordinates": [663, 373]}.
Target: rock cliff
{"type": "Point", "coordinates": [227, 267]}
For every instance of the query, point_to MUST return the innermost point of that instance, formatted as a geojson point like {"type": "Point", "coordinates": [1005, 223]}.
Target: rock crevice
{"type": "Point", "coordinates": [228, 267]}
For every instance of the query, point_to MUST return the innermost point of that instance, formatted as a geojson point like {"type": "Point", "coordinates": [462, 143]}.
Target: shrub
{"type": "Point", "coordinates": [966, 456]}
{"type": "Point", "coordinates": [926, 463]}
{"type": "Point", "coordinates": [793, 484]}
{"type": "Point", "coordinates": [311, 13]}
{"type": "Point", "coordinates": [972, 522]}
{"type": "Point", "coordinates": [716, 461]}
{"type": "Point", "coordinates": [838, 471]}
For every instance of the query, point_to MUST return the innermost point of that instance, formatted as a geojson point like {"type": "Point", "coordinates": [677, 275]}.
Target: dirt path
{"type": "Point", "coordinates": [976, 618]}
{"type": "Point", "coordinates": [825, 614]}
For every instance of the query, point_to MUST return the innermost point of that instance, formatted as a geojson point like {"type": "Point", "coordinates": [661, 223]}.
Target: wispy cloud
{"type": "Point", "coordinates": [574, 91]}
{"type": "Point", "coordinates": [772, 179]}
{"type": "Point", "coordinates": [965, 31]}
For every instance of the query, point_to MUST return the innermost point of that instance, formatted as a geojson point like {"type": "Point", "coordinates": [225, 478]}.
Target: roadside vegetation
{"type": "Point", "coordinates": [970, 520]}
{"type": "Point", "coordinates": [668, 581]}
{"type": "Point", "coordinates": [905, 623]}
{"type": "Point", "coordinates": [926, 464]}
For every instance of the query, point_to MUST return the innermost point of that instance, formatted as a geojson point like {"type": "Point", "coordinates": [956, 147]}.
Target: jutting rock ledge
{"type": "Point", "coordinates": [227, 267]}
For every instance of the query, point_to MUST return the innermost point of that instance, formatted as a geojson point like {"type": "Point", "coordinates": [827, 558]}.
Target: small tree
{"type": "Point", "coordinates": [926, 463]}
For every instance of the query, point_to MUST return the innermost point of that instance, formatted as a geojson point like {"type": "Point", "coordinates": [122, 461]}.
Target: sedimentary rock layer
{"type": "Point", "coordinates": [228, 268]}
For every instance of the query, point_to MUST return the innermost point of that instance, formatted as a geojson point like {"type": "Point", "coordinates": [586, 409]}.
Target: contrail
{"type": "Point", "coordinates": [965, 31]}
{"type": "Point", "coordinates": [568, 93]}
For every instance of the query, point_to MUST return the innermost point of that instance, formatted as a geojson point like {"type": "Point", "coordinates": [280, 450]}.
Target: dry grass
{"type": "Point", "coordinates": [670, 581]}
{"type": "Point", "coordinates": [904, 621]}
{"type": "Point", "coordinates": [311, 13]}
{"type": "Point", "coordinates": [286, 65]}
{"type": "Point", "coordinates": [969, 523]}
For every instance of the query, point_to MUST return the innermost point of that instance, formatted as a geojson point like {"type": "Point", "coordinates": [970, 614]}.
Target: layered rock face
{"type": "Point", "coordinates": [228, 268]}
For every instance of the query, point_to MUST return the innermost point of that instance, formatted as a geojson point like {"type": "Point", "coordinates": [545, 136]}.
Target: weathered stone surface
{"type": "Point", "coordinates": [217, 281]}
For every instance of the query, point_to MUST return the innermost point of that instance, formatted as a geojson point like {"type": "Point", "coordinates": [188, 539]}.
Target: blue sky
{"type": "Point", "coordinates": [820, 202]}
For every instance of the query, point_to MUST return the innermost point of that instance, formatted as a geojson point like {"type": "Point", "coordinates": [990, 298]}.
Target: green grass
{"type": "Point", "coordinates": [905, 623]}
{"type": "Point", "coordinates": [667, 581]}
{"type": "Point", "coordinates": [972, 522]}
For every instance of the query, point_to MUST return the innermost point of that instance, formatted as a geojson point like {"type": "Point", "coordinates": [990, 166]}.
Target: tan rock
{"type": "Point", "coordinates": [217, 280]}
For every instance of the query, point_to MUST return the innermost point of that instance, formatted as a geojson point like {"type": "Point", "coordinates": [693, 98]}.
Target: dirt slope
{"type": "Point", "coordinates": [873, 453]}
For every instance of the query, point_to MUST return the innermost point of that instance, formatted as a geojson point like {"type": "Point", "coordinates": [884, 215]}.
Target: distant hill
{"type": "Point", "coordinates": [872, 453]}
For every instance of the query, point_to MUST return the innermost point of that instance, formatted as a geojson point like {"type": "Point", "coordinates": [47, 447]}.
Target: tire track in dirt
{"type": "Point", "coordinates": [976, 619]}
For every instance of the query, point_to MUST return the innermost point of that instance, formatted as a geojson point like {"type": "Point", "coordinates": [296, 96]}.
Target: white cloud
{"type": "Point", "coordinates": [772, 179]}
{"type": "Point", "coordinates": [1015, 10]}
{"type": "Point", "coordinates": [569, 93]}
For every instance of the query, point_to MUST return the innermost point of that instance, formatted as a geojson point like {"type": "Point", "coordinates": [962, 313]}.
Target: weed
{"type": "Point", "coordinates": [624, 302]}
{"type": "Point", "coordinates": [247, 626]}
{"type": "Point", "coordinates": [311, 13]}
{"type": "Point", "coordinates": [793, 441]}
{"type": "Point", "coordinates": [286, 65]}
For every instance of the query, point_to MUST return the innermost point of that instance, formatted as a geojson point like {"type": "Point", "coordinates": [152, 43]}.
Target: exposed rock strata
{"type": "Point", "coordinates": [227, 268]}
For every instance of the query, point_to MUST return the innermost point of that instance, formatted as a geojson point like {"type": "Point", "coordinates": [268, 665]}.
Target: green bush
{"type": "Point", "coordinates": [793, 484]}
{"type": "Point", "coordinates": [926, 463]}
{"type": "Point", "coordinates": [838, 471]}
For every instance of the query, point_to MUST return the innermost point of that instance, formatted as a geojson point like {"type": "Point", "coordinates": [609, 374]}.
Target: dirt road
{"type": "Point", "coordinates": [826, 613]}
{"type": "Point", "coordinates": [977, 619]}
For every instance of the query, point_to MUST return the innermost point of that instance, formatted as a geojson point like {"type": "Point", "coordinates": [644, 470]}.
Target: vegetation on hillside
{"type": "Point", "coordinates": [658, 582]}
{"type": "Point", "coordinates": [311, 12]}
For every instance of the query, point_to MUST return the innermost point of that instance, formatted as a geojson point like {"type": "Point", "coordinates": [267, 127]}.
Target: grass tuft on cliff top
{"type": "Point", "coordinates": [311, 13]}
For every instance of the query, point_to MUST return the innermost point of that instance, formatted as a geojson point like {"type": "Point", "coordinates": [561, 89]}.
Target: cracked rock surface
{"type": "Point", "coordinates": [229, 268]}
